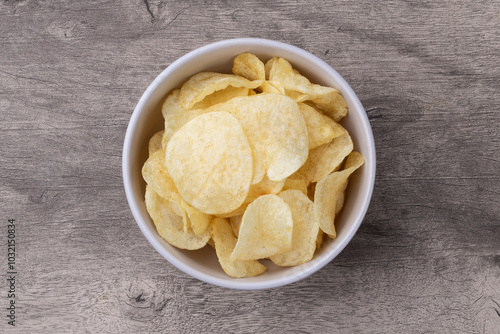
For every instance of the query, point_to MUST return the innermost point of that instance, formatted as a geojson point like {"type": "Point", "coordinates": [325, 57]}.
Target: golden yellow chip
{"type": "Point", "coordinates": [266, 229]}
{"type": "Point", "coordinates": [276, 131]}
{"type": "Point", "coordinates": [235, 222]}
{"type": "Point", "coordinates": [224, 242]}
{"type": "Point", "coordinates": [318, 130]}
{"type": "Point", "coordinates": [210, 162]}
{"type": "Point", "coordinates": [156, 174]}
{"type": "Point", "coordinates": [249, 66]}
{"type": "Point", "coordinates": [199, 221]}
{"type": "Point", "coordinates": [319, 239]}
{"type": "Point", "coordinates": [155, 142]}
{"type": "Point", "coordinates": [272, 87]}
{"type": "Point", "coordinates": [205, 83]}
{"type": "Point", "coordinates": [222, 96]}
{"type": "Point", "coordinates": [328, 191]}
{"type": "Point", "coordinates": [175, 115]}
{"type": "Point", "coordinates": [305, 230]}
{"type": "Point", "coordinates": [170, 226]}
{"type": "Point", "coordinates": [237, 212]}
{"type": "Point", "coordinates": [337, 129]}
{"type": "Point", "coordinates": [264, 187]}
{"type": "Point", "coordinates": [298, 184]}
{"type": "Point", "coordinates": [327, 99]}
{"type": "Point", "coordinates": [325, 159]}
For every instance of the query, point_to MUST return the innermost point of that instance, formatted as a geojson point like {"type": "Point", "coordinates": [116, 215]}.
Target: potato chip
{"type": "Point", "coordinates": [276, 131]}
{"type": "Point", "coordinates": [169, 225]}
{"type": "Point", "coordinates": [305, 230]}
{"type": "Point", "coordinates": [272, 87]}
{"type": "Point", "coordinates": [298, 184]}
{"type": "Point", "coordinates": [237, 212]}
{"type": "Point", "coordinates": [155, 142]}
{"type": "Point", "coordinates": [210, 162]}
{"type": "Point", "coordinates": [199, 221]}
{"type": "Point", "coordinates": [337, 129]}
{"type": "Point", "coordinates": [319, 131]}
{"type": "Point", "coordinates": [206, 83]}
{"type": "Point", "coordinates": [222, 96]}
{"type": "Point", "coordinates": [325, 159]}
{"type": "Point", "coordinates": [319, 239]}
{"type": "Point", "coordinates": [156, 174]}
{"type": "Point", "coordinates": [327, 99]}
{"type": "Point", "coordinates": [266, 229]}
{"type": "Point", "coordinates": [328, 191]}
{"type": "Point", "coordinates": [264, 187]}
{"type": "Point", "coordinates": [249, 66]}
{"type": "Point", "coordinates": [175, 115]}
{"type": "Point", "coordinates": [235, 222]}
{"type": "Point", "coordinates": [224, 242]}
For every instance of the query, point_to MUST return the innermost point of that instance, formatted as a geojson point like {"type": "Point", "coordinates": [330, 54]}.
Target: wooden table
{"type": "Point", "coordinates": [427, 256]}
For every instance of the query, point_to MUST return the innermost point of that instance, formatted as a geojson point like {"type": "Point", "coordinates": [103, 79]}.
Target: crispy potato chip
{"type": "Point", "coordinates": [175, 115]}
{"type": "Point", "coordinates": [305, 229]}
{"type": "Point", "coordinates": [225, 241]}
{"type": "Point", "coordinates": [237, 212]}
{"type": "Point", "coordinates": [155, 142]}
{"type": "Point", "coordinates": [337, 129]}
{"type": "Point", "coordinates": [264, 187]}
{"type": "Point", "coordinates": [276, 131]}
{"type": "Point", "coordinates": [221, 96]}
{"type": "Point", "coordinates": [266, 229]}
{"type": "Point", "coordinates": [318, 130]}
{"type": "Point", "coordinates": [169, 225]}
{"type": "Point", "coordinates": [156, 174]}
{"type": "Point", "coordinates": [199, 220]}
{"type": "Point", "coordinates": [298, 184]}
{"type": "Point", "coordinates": [325, 159]}
{"type": "Point", "coordinates": [319, 239]}
{"type": "Point", "coordinates": [210, 161]}
{"type": "Point", "coordinates": [328, 191]}
{"type": "Point", "coordinates": [206, 83]}
{"type": "Point", "coordinates": [272, 87]}
{"type": "Point", "coordinates": [327, 99]}
{"type": "Point", "coordinates": [235, 222]}
{"type": "Point", "coordinates": [249, 66]}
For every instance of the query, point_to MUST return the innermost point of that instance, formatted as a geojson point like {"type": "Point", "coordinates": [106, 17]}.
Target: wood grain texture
{"type": "Point", "coordinates": [427, 256]}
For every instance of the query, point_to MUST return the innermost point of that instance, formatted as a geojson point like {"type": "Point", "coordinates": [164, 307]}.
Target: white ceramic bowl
{"type": "Point", "coordinates": [147, 119]}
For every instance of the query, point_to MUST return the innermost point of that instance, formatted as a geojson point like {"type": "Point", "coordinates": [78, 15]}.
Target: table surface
{"type": "Point", "coordinates": [426, 259]}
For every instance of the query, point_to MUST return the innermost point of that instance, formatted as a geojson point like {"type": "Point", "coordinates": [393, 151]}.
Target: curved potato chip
{"type": "Point", "coordinates": [266, 229]}
{"type": "Point", "coordinates": [325, 159]}
{"type": "Point", "coordinates": [206, 83]}
{"type": "Point", "coordinates": [155, 142]}
{"type": "Point", "coordinates": [249, 66]}
{"type": "Point", "coordinates": [237, 212]}
{"type": "Point", "coordinates": [328, 191]}
{"type": "Point", "coordinates": [156, 174]}
{"type": "Point", "coordinates": [276, 131]}
{"type": "Point", "coordinates": [221, 96]}
{"type": "Point", "coordinates": [319, 239]}
{"type": "Point", "coordinates": [210, 161]}
{"type": "Point", "coordinates": [199, 220]}
{"type": "Point", "coordinates": [298, 184]}
{"type": "Point", "coordinates": [264, 187]}
{"type": "Point", "coordinates": [170, 226]}
{"type": "Point", "coordinates": [224, 242]}
{"type": "Point", "coordinates": [327, 99]}
{"type": "Point", "coordinates": [305, 230]}
{"type": "Point", "coordinates": [272, 87]}
{"type": "Point", "coordinates": [175, 115]}
{"type": "Point", "coordinates": [319, 131]}
{"type": "Point", "coordinates": [337, 129]}
{"type": "Point", "coordinates": [235, 222]}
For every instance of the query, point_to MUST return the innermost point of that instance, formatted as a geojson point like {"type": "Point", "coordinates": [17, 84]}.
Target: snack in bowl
{"type": "Point", "coordinates": [238, 157]}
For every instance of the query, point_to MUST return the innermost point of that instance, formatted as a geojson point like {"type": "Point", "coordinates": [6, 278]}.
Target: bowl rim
{"type": "Point", "coordinates": [134, 206]}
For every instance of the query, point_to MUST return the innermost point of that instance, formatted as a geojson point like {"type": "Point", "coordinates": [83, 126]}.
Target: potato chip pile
{"type": "Point", "coordinates": [253, 163]}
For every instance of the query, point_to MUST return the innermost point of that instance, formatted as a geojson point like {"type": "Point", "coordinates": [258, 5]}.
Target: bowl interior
{"type": "Point", "coordinates": [147, 120]}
